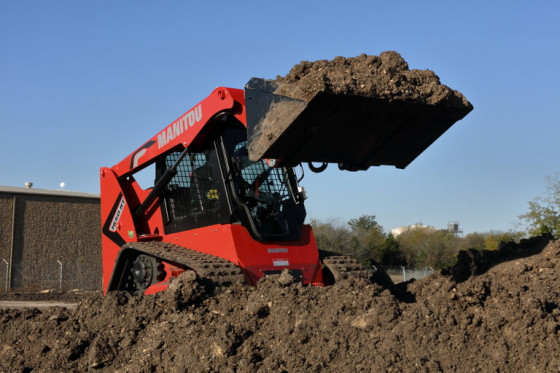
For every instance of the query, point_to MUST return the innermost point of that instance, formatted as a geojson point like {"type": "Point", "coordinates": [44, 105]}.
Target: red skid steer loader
{"type": "Point", "coordinates": [228, 208]}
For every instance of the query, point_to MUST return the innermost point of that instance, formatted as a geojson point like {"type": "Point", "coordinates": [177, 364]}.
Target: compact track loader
{"type": "Point", "coordinates": [226, 204]}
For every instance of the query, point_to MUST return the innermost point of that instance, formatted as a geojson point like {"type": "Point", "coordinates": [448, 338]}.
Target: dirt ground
{"type": "Point", "coordinates": [35, 304]}
{"type": "Point", "coordinates": [493, 312]}
{"type": "Point", "coordinates": [49, 296]}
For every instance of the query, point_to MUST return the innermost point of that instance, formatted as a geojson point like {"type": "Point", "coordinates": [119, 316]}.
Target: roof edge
{"type": "Point", "coordinates": [47, 192]}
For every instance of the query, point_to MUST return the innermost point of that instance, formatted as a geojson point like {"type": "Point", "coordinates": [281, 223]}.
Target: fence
{"type": "Point", "coordinates": [53, 275]}
{"type": "Point", "coordinates": [6, 274]}
{"type": "Point", "coordinates": [48, 275]}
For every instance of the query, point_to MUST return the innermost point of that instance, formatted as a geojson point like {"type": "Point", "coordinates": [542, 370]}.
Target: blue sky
{"type": "Point", "coordinates": [84, 83]}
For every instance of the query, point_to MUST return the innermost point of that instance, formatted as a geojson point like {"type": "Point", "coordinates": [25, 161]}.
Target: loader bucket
{"type": "Point", "coordinates": [354, 131]}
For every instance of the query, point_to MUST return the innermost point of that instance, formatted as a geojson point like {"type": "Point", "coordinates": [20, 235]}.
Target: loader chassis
{"type": "Point", "coordinates": [217, 202]}
{"type": "Point", "coordinates": [210, 207]}
{"type": "Point", "coordinates": [225, 203]}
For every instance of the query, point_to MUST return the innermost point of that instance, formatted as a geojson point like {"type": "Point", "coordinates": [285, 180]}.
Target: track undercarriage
{"type": "Point", "coordinates": [144, 264]}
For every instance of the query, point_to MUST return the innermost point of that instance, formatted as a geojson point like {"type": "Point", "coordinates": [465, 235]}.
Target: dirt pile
{"type": "Point", "coordinates": [386, 77]}
{"type": "Point", "coordinates": [504, 318]}
{"type": "Point", "coordinates": [361, 111]}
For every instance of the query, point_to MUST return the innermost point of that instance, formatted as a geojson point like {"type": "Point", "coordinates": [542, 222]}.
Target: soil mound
{"type": "Point", "coordinates": [474, 262]}
{"type": "Point", "coordinates": [386, 77]}
{"type": "Point", "coordinates": [358, 112]}
{"type": "Point", "coordinates": [505, 318]}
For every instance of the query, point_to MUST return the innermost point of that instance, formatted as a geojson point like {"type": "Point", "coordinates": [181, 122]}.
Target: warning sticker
{"type": "Point", "coordinates": [281, 262]}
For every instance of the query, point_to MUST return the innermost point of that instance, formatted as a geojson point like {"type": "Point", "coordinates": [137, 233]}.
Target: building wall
{"type": "Point", "coordinates": [6, 206]}
{"type": "Point", "coordinates": [55, 237]}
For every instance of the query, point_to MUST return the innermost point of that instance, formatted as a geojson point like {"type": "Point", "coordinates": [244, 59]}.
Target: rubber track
{"type": "Point", "coordinates": [208, 267]}
{"type": "Point", "coordinates": [343, 266]}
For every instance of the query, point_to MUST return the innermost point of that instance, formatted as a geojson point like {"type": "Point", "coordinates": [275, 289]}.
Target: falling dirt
{"type": "Point", "coordinates": [501, 314]}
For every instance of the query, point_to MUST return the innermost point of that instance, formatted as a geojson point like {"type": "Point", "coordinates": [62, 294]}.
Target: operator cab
{"type": "Point", "coordinates": [216, 183]}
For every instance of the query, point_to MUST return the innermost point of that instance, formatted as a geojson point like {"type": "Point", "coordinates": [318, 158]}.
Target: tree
{"type": "Point", "coordinates": [363, 238]}
{"type": "Point", "coordinates": [391, 253]}
{"type": "Point", "coordinates": [426, 246]}
{"type": "Point", "coordinates": [364, 223]}
{"type": "Point", "coordinates": [493, 239]}
{"type": "Point", "coordinates": [332, 236]}
{"type": "Point", "coordinates": [440, 250]}
{"type": "Point", "coordinates": [473, 240]}
{"type": "Point", "coordinates": [544, 212]}
{"type": "Point", "coordinates": [368, 239]}
{"type": "Point", "coordinates": [489, 240]}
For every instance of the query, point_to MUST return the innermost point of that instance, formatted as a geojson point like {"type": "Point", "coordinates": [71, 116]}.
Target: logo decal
{"type": "Point", "coordinates": [273, 250]}
{"type": "Point", "coordinates": [114, 236]}
{"type": "Point", "coordinates": [117, 216]}
{"type": "Point", "coordinates": [182, 124]}
{"type": "Point", "coordinates": [139, 153]}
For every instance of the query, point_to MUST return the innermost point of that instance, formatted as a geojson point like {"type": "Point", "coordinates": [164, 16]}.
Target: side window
{"type": "Point", "coordinates": [263, 195]}
{"type": "Point", "coordinates": [195, 196]}
{"type": "Point", "coordinates": [263, 189]}
{"type": "Point", "coordinates": [258, 179]}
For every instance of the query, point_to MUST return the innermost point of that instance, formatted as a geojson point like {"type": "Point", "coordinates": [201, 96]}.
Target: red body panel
{"type": "Point", "coordinates": [185, 130]}
{"type": "Point", "coordinates": [120, 194]}
{"type": "Point", "coordinates": [114, 228]}
{"type": "Point", "coordinates": [234, 243]}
